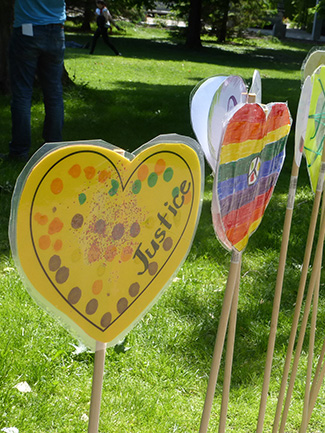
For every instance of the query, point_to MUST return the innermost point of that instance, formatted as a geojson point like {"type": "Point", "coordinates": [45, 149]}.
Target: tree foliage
{"type": "Point", "coordinates": [301, 12]}
{"type": "Point", "coordinates": [225, 18]}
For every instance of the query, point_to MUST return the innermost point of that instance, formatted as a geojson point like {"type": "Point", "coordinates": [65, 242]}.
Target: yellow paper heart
{"type": "Point", "coordinates": [98, 235]}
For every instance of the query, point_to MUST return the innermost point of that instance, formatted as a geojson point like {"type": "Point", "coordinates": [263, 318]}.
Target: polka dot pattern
{"type": "Point", "coordinates": [98, 234]}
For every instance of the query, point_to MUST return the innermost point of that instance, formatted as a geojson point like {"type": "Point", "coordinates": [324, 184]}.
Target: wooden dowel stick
{"type": "Point", "coordinates": [300, 294]}
{"type": "Point", "coordinates": [229, 356]}
{"type": "Point", "coordinates": [277, 295]}
{"type": "Point", "coordinates": [317, 382]}
{"type": "Point", "coordinates": [220, 339]}
{"type": "Point", "coordinates": [313, 279]}
{"type": "Point", "coordinates": [305, 419]}
{"type": "Point", "coordinates": [96, 393]}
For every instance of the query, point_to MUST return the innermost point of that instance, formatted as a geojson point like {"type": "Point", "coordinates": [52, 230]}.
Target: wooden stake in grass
{"type": "Point", "coordinates": [313, 280]}
{"type": "Point", "coordinates": [305, 418]}
{"type": "Point", "coordinates": [304, 422]}
{"type": "Point", "coordinates": [220, 339]}
{"type": "Point", "coordinates": [237, 212]}
{"type": "Point", "coordinates": [229, 355]}
{"type": "Point", "coordinates": [301, 124]}
{"type": "Point", "coordinates": [318, 90]}
{"type": "Point", "coordinates": [97, 387]}
{"type": "Point", "coordinates": [300, 294]}
{"type": "Point", "coordinates": [317, 382]}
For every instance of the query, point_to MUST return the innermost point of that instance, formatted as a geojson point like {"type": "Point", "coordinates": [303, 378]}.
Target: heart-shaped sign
{"type": "Point", "coordinates": [256, 87]}
{"type": "Point", "coordinates": [98, 235]}
{"type": "Point", "coordinates": [315, 130]}
{"type": "Point", "coordinates": [314, 59]}
{"type": "Point", "coordinates": [210, 100]}
{"type": "Point", "coordinates": [250, 160]}
{"type": "Point", "coordinates": [302, 119]}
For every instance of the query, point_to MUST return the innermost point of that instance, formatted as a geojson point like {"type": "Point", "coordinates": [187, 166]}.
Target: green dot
{"type": "Point", "coordinates": [136, 187]}
{"type": "Point", "coordinates": [114, 188]}
{"type": "Point", "coordinates": [82, 198]}
{"type": "Point", "coordinates": [175, 192]}
{"type": "Point", "coordinates": [168, 174]}
{"type": "Point", "coordinates": [112, 192]}
{"type": "Point", "coordinates": [115, 184]}
{"type": "Point", "coordinates": [152, 179]}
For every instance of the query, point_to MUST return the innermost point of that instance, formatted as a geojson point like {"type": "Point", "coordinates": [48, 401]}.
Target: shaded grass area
{"type": "Point", "coordinates": [156, 380]}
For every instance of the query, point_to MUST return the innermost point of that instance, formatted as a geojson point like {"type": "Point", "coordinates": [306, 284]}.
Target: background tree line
{"type": "Point", "coordinates": [221, 18]}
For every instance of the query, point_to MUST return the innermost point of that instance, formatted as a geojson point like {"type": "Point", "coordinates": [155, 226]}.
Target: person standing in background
{"type": "Point", "coordinates": [37, 47]}
{"type": "Point", "coordinates": [104, 21]}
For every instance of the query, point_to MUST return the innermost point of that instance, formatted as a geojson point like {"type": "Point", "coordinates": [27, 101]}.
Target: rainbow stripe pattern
{"type": "Point", "coordinates": [250, 160]}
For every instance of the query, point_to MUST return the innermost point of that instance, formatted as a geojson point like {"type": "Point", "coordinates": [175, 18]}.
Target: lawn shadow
{"type": "Point", "coordinates": [172, 49]}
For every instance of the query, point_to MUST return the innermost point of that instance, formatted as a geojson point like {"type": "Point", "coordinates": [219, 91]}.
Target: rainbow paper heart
{"type": "Point", "coordinates": [250, 160]}
{"type": "Point", "coordinates": [98, 235]}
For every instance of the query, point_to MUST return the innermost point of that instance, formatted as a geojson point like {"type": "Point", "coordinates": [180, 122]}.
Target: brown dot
{"type": "Point", "coordinates": [134, 289]}
{"type": "Point", "coordinates": [77, 221]}
{"type": "Point", "coordinates": [153, 268]}
{"type": "Point", "coordinates": [135, 230]}
{"type": "Point", "coordinates": [62, 275]}
{"type": "Point", "coordinates": [106, 320]}
{"type": "Point", "coordinates": [100, 226]}
{"type": "Point", "coordinates": [54, 263]}
{"type": "Point", "coordinates": [122, 305]}
{"type": "Point", "coordinates": [92, 306]}
{"type": "Point", "coordinates": [74, 295]}
{"type": "Point", "coordinates": [118, 232]}
{"type": "Point", "coordinates": [168, 243]}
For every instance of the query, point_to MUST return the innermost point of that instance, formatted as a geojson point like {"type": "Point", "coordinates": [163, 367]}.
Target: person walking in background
{"type": "Point", "coordinates": [36, 48]}
{"type": "Point", "coordinates": [104, 21]}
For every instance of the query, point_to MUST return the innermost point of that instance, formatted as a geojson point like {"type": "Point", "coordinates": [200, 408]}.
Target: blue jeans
{"type": "Point", "coordinates": [40, 54]}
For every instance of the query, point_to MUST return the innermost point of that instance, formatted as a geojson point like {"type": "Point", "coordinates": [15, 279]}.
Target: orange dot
{"type": "Point", "coordinates": [93, 253]}
{"type": "Point", "coordinates": [55, 226]}
{"type": "Point", "coordinates": [75, 170]}
{"type": "Point", "coordinates": [110, 253]}
{"type": "Point", "coordinates": [187, 197]}
{"type": "Point", "coordinates": [160, 166]}
{"type": "Point", "coordinates": [44, 242]}
{"type": "Point", "coordinates": [143, 172]}
{"type": "Point", "coordinates": [41, 219]}
{"type": "Point", "coordinates": [57, 186]}
{"type": "Point", "coordinates": [103, 176]}
{"type": "Point", "coordinates": [89, 172]}
{"type": "Point", "coordinates": [126, 254]}
{"type": "Point", "coordinates": [97, 287]}
{"type": "Point", "coordinates": [58, 245]}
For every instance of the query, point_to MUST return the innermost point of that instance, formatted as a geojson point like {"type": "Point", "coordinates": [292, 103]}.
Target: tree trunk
{"type": "Point", "coordinates": [222, 33]}
{"type": "Point", "coordinates": [88, 16]}
{"type": "Point", "coordinates": [193, 39]}
{"type": "Point", "coordinates": [6, 18]}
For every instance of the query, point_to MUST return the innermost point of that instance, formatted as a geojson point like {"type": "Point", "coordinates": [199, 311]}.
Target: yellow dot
{"type": "Point", "coordinates": [101, 270]}
{"type": "Point", "coordinates": [76, 255]}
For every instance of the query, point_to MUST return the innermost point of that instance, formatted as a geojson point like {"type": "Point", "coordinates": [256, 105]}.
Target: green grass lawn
{"type": "Point", "coordinates": [156, 380]}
